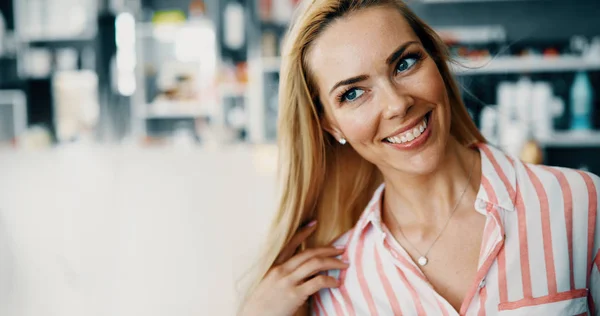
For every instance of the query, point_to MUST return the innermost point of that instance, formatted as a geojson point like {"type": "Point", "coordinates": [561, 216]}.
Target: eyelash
{"type": "Point", "coordinates": [341, 97]}
{"type": "Point", "coordinates": [418, 56]}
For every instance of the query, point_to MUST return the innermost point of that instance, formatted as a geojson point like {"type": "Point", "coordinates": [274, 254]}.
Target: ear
{"type": "Point", "coordinates": [331, 128]}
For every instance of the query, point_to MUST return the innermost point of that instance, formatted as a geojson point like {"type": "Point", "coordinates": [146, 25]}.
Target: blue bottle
{"type": "Point", "coordinates": [582, 97]}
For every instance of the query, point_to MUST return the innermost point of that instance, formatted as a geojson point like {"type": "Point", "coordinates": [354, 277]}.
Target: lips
{"type": "Point", "coordinates": [407, 136]}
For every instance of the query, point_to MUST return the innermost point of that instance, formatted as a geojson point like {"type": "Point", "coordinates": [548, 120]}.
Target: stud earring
{"type": "Point", "coordinates": [342, 141]}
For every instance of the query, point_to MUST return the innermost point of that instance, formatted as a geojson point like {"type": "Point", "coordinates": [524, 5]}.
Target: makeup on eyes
{"type": "Point", "coordinates": [341, 97]}
{"type": "Point", "coordinates": [417, 55]}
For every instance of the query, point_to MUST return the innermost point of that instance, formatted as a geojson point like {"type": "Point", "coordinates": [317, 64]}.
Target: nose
{"type": "Point", "coordinates": [395, 103]}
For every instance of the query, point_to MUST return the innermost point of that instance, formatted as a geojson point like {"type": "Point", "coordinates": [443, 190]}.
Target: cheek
{"type": "Point", "coordinates": [359, 125]}
{"type": "Point", "coordinates": [431, 84]}
{"type": "Point", "coordinates": [432, 90]}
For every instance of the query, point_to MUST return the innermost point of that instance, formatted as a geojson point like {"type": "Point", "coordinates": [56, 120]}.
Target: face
{"type": "Point", "coordinates": [381, 91]}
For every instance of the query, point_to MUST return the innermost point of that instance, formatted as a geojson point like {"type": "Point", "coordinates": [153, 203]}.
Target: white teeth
{"type": "Point", "coordinates": [395, 140]}
{"type": "Point", "coordinates": [409, 135]}
{"type": "Point", "coordinates": [416, 132]}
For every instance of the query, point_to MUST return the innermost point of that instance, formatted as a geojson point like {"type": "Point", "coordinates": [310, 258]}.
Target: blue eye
{"type": "Point", "coordinates": [352, 94]}
{"type": "Point", "coordinates": [406, 63]}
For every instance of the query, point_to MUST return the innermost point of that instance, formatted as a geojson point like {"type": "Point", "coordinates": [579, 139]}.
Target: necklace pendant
{"type": "Point", "coordinates": [422, 261]}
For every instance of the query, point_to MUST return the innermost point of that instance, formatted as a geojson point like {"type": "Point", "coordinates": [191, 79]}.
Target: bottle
{"type": "Point", "coordinates": [581, 102]}
{"type": "Point", "coordinates": [513, 120]}
{"type": "Point", "coordinates": [197, 9]}
{"type": "Point", "coordinates": [283, 10]}
{"type": "Point", "coordinates": [266, 10]}
{"type": "Point", "coordinates": [542, 114]}
{"type": "Point", "coordinates": [523, 101]}
{"type": "Point", "coordinates": [531, 152]}
{"type": "Point", "coordinates": [489, 124]}
{"type": "Point", "coordinates": [234, 37]}
{"type": "Point", "coordinates": [593, 53]}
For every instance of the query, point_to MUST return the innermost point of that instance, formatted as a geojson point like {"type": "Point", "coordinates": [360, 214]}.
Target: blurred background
{"type": "Point", "coordinates": [137, 137]}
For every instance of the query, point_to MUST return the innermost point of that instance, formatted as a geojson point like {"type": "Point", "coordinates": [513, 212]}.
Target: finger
{"type": "Point", "coordinates": [284, 270]}
{"type": "Point", "coordinates": [296, 261]}
{"type": "Point", "coordinates": [317, 283]}
{"type": "Point", "coordinates": [316, 265]}
{"type": "Point", "coordinates": [289, 250]}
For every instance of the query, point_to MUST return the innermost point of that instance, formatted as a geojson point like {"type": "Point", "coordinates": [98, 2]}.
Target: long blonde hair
{"type": "Point", "coordinates": [320, 178]}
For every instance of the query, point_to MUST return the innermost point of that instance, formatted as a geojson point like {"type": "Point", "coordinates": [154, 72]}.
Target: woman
{"type": "Point", "coordinates": [408, 210]}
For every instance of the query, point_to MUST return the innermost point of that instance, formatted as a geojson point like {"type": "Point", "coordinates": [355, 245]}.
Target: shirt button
{"type": "Point", "coordinates": [481, 204]}
{"type": "Point", "coordinates": [482, 284]}
{"type": "Point", "coordinates": [371, 218]}
{"type": "Point", "coordinates": [375, 219]}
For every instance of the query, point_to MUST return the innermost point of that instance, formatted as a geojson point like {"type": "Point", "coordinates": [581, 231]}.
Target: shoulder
{"type": "Point", "coordinates": [592, 182]}
{"type": "Point", "coordinates": [562, 190]}
{"type": "Point", "coordinates": [557, 180]}
{"type": "Point", "coordinates": [591, 188]}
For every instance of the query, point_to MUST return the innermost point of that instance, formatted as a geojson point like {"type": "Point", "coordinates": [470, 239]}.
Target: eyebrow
{"type": "Point", "coordinates": [393, 57]}
{"type": "Point", "coordinates": [398, 52]}
{"type": "Point", "coordinates": [349, 81]}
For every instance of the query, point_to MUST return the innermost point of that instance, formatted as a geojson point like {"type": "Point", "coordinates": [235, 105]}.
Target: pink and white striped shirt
{"type": "Point", "coordinates": [539, 253]}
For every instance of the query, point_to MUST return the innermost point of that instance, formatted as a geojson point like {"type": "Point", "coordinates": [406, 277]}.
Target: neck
{"type": "Point", "coordinates": [426, 200]}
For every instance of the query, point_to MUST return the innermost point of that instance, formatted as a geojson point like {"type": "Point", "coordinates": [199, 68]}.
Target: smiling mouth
{"type": "Point", "coordinates": [410, 135]}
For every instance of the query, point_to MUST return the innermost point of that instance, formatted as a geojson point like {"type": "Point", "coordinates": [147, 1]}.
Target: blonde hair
{"type": "Point", "coordinates": [321, 179]}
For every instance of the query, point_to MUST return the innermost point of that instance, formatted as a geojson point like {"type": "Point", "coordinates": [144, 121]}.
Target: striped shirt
{"type": "Point", "coordinates": [538, 254]}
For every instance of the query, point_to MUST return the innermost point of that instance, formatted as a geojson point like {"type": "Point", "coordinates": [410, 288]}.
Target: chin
{"type": "Point", "coordinates": [422, 163]}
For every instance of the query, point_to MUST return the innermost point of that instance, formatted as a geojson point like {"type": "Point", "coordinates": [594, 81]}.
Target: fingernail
{"type": "Point", "coordinates": [340, 247]}
{"type": "Point", "coordinates": [312, 223]}
{"type": "Point", "coordinates": [346, 262]}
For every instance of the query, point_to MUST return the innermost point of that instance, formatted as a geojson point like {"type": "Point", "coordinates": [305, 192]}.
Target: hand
{"type": "Point", "coordinates": [294, 278]}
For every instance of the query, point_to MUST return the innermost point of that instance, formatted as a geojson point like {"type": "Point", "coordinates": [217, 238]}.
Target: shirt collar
{"type": "Point", "coordinates": [372, 213]}
{"type": "Point", "coordinates": [498, 187]}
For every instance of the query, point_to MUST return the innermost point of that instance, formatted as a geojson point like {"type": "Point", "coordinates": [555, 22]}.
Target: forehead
{"type": "Point", "coordinates": [355, 44]}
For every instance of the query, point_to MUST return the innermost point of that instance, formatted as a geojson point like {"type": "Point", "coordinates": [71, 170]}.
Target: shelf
{"type": "Point", "coordinates": [175, 115]}
{"type": "Point", "coordinates": [572, 139]}
{"type": "Point", "coordinates": [503, 65]}
{"type": "Point", "coordinates": [175, 110]}
{"type": "Point", "coordinates": [500, 65]}
{"type": "Point", "coordinates": [275, 26]}
{"type": "Point", "coordinates": [60, 41]}
{"type": "Point", "coordinates": [469, 1]}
